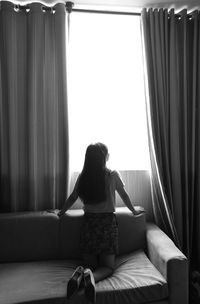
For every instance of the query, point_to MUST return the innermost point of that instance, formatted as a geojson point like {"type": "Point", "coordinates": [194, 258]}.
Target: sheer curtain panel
{"type": "Point", "coordinates": [172, 51]}
{"type": "Point", "coordinates": [33, 107]}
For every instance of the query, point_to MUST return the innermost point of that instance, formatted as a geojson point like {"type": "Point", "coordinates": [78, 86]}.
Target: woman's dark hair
{"type": "Point", "coordinates": [91, 186]}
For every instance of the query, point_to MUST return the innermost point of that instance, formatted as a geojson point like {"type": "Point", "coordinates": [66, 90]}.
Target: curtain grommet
{"type": "Point", "coordinates": [45, 9]}
{"type": "Point", "coordinates": [69, 5]}
{"type": "Point", "coordinates": [16, 8]}
{"type": "Point", "coordinates": [53, 10]}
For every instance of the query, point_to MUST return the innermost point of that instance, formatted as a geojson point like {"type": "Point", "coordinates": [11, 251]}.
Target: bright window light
{"type": "Point", "coordinates": [106, 90]}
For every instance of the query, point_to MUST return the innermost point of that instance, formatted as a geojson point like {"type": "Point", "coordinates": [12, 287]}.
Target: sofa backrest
{"type": "Point", "coordinates": [26, 236]}
{"type": "Point", "coordinates": [40, 235]}
{"type": "Point", "coordinates": [132, 231]}
{"type": "Point", "coordinates": [70, 226]}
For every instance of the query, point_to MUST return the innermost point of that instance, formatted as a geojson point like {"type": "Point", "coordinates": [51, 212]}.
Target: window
{"type": "Point", "coordinates": [106, 90]}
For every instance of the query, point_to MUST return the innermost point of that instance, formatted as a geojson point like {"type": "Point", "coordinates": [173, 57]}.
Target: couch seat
{"type": "Point", "coordinates": [35, 282]}
{"type": "Point", "coordinates": [135, 280]}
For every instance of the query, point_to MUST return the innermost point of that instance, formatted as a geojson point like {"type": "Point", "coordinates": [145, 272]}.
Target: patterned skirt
{"type": "Point", "coordinates": [99, 234]}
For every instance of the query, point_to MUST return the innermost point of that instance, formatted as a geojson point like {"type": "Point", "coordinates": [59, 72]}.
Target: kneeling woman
{"type": "Point", "coordinates": [96, 186]}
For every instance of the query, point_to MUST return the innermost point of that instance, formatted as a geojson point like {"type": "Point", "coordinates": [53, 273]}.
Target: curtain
{"type": "Point", "coordinates": [172, 52]}
{"type": "Point", "coordinates": [33, 107]}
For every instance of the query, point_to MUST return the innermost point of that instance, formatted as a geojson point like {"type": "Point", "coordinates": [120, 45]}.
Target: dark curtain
{"type": "Point", "coordinates": [172, 53]}
{"type": "Point", "coordinates": [33, 107]}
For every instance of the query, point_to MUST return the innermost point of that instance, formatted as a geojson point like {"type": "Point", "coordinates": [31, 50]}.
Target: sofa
{"type": "Point", "coordinates": [39, 252]}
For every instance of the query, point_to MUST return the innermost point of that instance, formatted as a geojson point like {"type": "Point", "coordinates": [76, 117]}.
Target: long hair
{"type": "Point", "coordinates": [91, 186]}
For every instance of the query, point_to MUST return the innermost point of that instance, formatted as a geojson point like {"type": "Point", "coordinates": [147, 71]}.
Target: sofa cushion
{"type": "Point", "coordinates": [135, 280]}
{"type": "Point", "coordinates": [35, 282]}
{"type": "Point", "coordinates": [26, 236]}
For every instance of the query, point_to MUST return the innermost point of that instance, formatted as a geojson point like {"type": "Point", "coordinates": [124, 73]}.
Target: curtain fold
{"type": "Point", "coordinates": [172, 51]}
{"type": "Point", "coordinates": [156, 57]}
{"type": "Point", "coordinates": [33, 103]}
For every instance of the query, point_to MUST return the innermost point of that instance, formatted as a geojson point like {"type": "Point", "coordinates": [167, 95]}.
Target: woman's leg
{"type": "Point", "coordinates": [107, 260]}
{"type": "Point", "coordinates": [90, 261]}
{"type": "Point", "coordinates": [100, 270]}
{"type": "Point", "coordinates": [105, 267]}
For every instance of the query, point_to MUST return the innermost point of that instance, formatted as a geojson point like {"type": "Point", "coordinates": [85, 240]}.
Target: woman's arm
{"type": "Point", "coordinates": [119, 186]}
{"type": "Point", "coordinates": [68, 203]}
{"type": "Point", "coordinates": [126, 199]}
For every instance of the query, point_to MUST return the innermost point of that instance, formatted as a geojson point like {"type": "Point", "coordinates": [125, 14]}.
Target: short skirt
{"type": "Point", "coordinates": [99, 234]}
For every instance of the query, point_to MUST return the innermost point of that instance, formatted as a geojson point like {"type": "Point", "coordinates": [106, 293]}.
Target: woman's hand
{"type": "Point", "coordinates": [138, 210]}
{"type": "Point", "coordinates": [55, 211]}
{"type": "Point", "coordinates": [60, 213]}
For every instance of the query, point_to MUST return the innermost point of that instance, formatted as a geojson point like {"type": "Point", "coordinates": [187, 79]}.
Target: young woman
{"type": "Point", "coordinates": [96, 186]}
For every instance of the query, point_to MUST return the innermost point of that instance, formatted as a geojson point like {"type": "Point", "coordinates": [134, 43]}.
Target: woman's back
{"type": "Point", "coordinates": [112, 182]}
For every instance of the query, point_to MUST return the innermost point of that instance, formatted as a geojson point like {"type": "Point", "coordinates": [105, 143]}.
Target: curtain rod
{"type": "Point", "coordinates": [69, 6]}
{"type": "Point", "coordinates": [105, 12]}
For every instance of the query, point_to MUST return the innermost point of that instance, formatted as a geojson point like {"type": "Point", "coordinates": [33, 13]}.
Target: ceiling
{"type": "Point", "coordinates": [139, 4]}
{"type": "Point", "coordinates": [125, 5]}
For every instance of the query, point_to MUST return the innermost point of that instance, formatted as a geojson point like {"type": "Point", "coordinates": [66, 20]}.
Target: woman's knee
{"type": "Point", "coordinates": [90, 261]}
{"type": "Point", "coordinates": [107, 260]}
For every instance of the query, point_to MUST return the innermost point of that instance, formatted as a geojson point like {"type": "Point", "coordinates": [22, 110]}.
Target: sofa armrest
{"type": "Point", "coordinates": [170, 262]}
